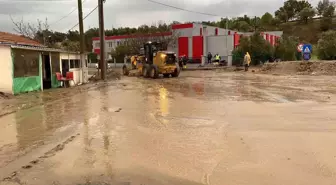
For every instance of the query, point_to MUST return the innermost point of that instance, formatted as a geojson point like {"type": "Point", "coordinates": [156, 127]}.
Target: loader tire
{"type": "Point", "coordinates": [125, 71]}
{"type": "Point", "coordinates": [176, 72]}
{"type": "Point", "coordinates": [145, 70]}
{"type": "Point", "coordinates": [154, 73]}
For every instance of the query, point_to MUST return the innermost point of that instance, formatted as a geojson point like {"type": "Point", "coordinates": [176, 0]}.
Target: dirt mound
{"type": "Point", "coordinates": [301, 68]}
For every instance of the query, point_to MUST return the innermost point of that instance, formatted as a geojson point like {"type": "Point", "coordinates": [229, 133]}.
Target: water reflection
{"type": "Point", "coordinates": [164, 101]}
{"type": "Point", "coordinates": [198, 88]}
{"type": "Point", "coordinates": [107, 124]}
{"type": "Point", "coordinates": [30, 127]}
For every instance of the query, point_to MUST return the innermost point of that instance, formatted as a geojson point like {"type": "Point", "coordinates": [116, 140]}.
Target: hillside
{"type": "Point", "coordinates": [306, 32]}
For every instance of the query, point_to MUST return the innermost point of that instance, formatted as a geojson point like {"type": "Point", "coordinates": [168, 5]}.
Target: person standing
{"type": "Point", "coordinates": [247, 61]}
{"type": "Point", "coordinates": [209, 57]}
{"type": "Point", "coordinates": [217, 58]}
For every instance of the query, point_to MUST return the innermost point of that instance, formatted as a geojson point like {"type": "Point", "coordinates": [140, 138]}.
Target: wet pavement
{"type": "Point", "coordinates": [205, 127]}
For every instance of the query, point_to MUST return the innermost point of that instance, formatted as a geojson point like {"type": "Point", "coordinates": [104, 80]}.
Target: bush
{"type": "Point", "coordinates": [327, 46]}
{"type": "Point", "coordinates": [93, 57]}
{"type": "Point", "coordinates": [286, 49]}
{"type": "Point", "coordinates": [237, 57]}
{"type": "Point", "coordinates": [259, 49]}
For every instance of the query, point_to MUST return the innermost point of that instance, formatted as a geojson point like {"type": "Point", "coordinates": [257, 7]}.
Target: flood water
{"type": "Point", "coordinates": [205, 127]}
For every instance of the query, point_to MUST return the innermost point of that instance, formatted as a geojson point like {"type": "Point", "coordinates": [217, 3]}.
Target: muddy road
{"type": "Point", "coordinates": [205, 127]}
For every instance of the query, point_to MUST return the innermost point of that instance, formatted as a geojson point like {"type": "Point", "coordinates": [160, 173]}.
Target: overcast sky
{"type": "Point", "coordinates": [130, 13]}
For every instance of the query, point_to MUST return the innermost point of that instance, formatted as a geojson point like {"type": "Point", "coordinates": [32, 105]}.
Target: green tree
{"type": "Point", "coordinates": [266, 19]}
{"type": "Point", "coordinates": [321, 7]}
{"type": "Point", "coordinates": [327, 46]}
{"type": "Point", "coordinates": [285, 49]}
{"type": "Point", "coordinates": [300, 6]}
{"type": "Point", "coordinates": [93, 57]}
{"type": "Point", "coordinates": [121, 51]}
{"type": "Point", "coordinates": [306, 14]}
{"type": "Point", "coordinates": [89, 34]}
{"type": "Point", "coordinates": [291, 9]}
{"type": "Point", "coordinates": [70, 45]}
{"type": "Point", "coordinates": [325, 8]}
{"type": "Point", "coordinates": [259, 49]}
{"type": "Point", "coordinates": [282, 15]}
{"type": "Point", "coordinates": [242, 26]}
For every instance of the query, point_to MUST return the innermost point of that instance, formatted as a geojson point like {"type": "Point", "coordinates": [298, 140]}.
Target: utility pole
{"type": "Point", "coordinates": [102, 39]}
{"type": "Point", "coordinates": [82, 37]}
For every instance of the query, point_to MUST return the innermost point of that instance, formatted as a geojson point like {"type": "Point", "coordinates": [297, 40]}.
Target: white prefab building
{"type": "Point", "coordinates": [28, 66]}
{"type": "Point", "coordinates": [195, 40]}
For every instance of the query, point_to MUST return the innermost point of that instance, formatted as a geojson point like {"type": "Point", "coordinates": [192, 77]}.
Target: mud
{"type": "Point", "coordinates": [11, 103]}
{"type": "Point", "coordinates": [114, 74]}
{"type": "Point", "coordinates": [205, 127]}
{"type": "Point", "coordinates": [300, 68]}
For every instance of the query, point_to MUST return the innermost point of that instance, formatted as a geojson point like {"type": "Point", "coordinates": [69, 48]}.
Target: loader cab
{"type": "Point", "coordinates": [150, 51]}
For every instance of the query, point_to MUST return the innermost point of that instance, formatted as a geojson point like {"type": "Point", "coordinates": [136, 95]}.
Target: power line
{"type": "Point", "coordinates": [85, 17]}
{"type": "Point", "coordinates": [192, 11]}
{"type": "Point", "coordinates": [72, 11]}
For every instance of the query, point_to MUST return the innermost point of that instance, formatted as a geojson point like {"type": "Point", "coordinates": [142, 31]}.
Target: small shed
{"type": "Point", "coordinates": [27, 65]}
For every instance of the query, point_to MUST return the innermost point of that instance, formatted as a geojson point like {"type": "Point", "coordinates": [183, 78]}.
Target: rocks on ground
{"type": "Point", "coordinates": [301, 68]}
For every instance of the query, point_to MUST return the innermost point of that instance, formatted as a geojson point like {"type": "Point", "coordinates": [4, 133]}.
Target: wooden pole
{"type": "Point", "coordinates": [82, 38]}
{"type": "Point", "coordinates": [102, 39]}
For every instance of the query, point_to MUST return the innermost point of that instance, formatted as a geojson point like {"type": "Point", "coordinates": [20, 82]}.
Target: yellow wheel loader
{"type": "Point", "coordinates": [133, 64]}
{"type": "Point", "coordinates": [159, 62]}
{"type": "Point", "coordinates": [154, 62]}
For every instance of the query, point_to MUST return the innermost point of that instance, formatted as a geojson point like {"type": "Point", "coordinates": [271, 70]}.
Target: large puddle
{"type": "Point", "coordinates": [202, 128]}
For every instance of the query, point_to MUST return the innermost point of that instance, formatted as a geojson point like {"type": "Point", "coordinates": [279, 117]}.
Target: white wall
{"type": "Point", "coordinates": [185, 32]}
{"type": "Point", "coordinates": [77, 72]}
{"type": "Point", "coordinates": [6, 70]}
{"type": "Point", "coordinates": [276, 33]}
{"type": "Point", "coordinates": [223, 45]}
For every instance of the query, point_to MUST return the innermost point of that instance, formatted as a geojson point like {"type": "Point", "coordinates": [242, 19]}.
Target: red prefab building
{"type": "Point", "coordinates": [193, 40]}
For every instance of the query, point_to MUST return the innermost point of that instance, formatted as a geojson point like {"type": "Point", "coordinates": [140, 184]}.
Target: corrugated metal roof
{"type": "Point", "coordinates": [41, 49]}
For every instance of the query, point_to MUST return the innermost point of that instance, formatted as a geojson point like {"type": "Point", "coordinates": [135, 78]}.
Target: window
{"type": "Point", "coordinates": [55, 62]}
{"type": "Point", "coordinates": [97, 44]}
{"type": "Point", "coordinates": [72, 63]}
{"type": "Point", "coordinates": [77, 63]}
{"type": "Point", "coordinates": [26, 63]}
{"type": "Point", "coordinates": [110, 44]}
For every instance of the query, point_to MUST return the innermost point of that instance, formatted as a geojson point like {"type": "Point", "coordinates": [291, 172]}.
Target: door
{"type": "Point", "coordinates": [65, 67]}
{"type": "Point", "coordinates": [183, 46]}
{"type": "Point", "coordinates": [46, 72]}
{"type": "Point", "coordinates": [197, 48]}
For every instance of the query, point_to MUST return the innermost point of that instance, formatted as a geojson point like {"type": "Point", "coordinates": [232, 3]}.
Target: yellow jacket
{"type": "Point", "coordinates": [133, 60]}
{"type": "Point", "coordinates": [247, 59]}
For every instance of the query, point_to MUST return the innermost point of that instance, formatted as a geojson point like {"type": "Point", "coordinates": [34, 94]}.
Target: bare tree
{"type": "Point", "coordinates": [155, 33]}
{"type": "Point", "coordinates": [167, 40]}
{"type": "Point", "coordinates": [30, 30]}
